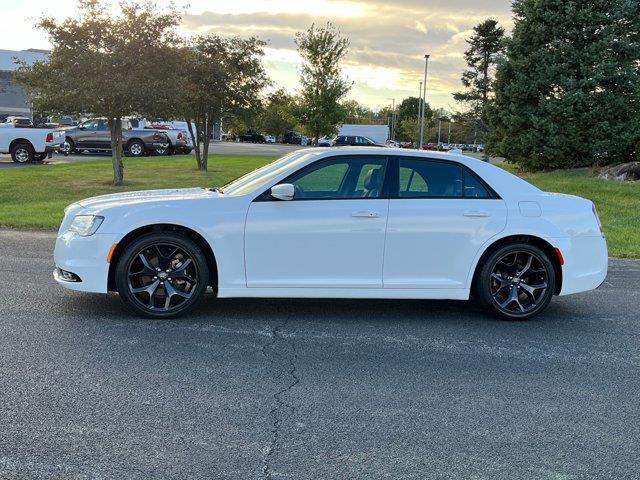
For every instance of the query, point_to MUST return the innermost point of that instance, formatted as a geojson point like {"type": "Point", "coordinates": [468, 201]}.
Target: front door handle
{"type": "Point", "coordinates": [476, 214]}
{"type": "Point", "coordinates": [365, 214]}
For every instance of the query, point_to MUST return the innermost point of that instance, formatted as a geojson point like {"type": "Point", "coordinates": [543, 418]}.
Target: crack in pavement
{"type": "Point", "coordinates": [283, 347]}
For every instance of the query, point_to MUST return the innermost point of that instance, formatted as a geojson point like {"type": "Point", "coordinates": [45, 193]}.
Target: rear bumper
{"type": "Point", "coordinates": [53, 148]}
{"type": "Point", "coordinates": [585, 263]}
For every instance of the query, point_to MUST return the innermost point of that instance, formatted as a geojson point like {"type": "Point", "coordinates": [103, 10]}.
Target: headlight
{"type": "Point", "coordinates": [86, 225]}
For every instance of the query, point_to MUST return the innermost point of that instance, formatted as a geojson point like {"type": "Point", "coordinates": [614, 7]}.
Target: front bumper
{"type": "Point", "coordinates": [85, 257]}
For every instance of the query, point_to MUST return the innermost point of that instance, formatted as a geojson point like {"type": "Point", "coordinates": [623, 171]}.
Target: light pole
{"type": "Point", "coordinates": [418, 146]}
{"type": "Point", "coordinates": [449, 136]}
{"type": "Point", "coordinates": [393, 118]}
{"type": "Point", "coordinates": [424, 97]}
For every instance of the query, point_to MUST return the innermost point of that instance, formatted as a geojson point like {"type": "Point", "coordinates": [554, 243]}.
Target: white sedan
{"type": "Point", "coordinates": [339, 223]}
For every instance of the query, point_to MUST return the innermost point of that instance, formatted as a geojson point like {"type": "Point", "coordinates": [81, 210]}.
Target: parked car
{"type": "Point", "coordinates": [325, 141]}
{"type": "Point", "coordinates": [415, 224]}
{"type": "Point", "coordinates": [30, 144]}
{"type": "Point", "coordinates": [406, 144]}
{"type": "Point", "coordinates": [229, 137]}
{"type": "Point", "coordinates": [270, 139]}
{"type": "Point", "coordinates": [355, 141]}
{"type": "Point", "coordinates": [179, 140]}
{"type": "Point", "coordinates": [392, 144]}
{"type": "Point", "coordinates": [94, 134]}
{"type": "Point", "coordinates": [253, 137]}
{"type": "Point", "coordinates": [294, 138]}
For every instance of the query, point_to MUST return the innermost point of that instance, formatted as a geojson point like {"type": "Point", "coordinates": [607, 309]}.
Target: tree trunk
{"type": "Point", "coordinates": [115, 128]}
{"type": "Point", "coordinates": [208, 129]}
{"type": "Point", "coordinates": [195, 138]}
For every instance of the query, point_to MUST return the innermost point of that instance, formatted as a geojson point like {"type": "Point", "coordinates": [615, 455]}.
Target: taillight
{"type": "Point", "coordinates": [179, 136]}
{"type": "Point", "coordinates": [595, 213]}
{"type": "Point", "coordinates": [49, 138]}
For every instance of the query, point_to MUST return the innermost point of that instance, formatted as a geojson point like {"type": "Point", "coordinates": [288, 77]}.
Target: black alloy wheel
{"type": "Point", "coordinates": [162, 275]}
{"type": "Point", "coordinates": [517, 281]}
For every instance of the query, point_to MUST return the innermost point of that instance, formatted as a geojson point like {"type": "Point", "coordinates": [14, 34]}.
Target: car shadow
{"type": "Point", "coordinates": [214, 311]}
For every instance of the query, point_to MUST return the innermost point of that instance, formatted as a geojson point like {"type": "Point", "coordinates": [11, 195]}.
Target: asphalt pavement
{"type": "Point", "coordinates": [313, 389]}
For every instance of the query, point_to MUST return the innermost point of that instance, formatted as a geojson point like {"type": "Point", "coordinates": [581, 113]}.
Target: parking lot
{"type": "Point", "coordinates": [308, 389]}
{"type": "Point", "coordinates": [222, 148]}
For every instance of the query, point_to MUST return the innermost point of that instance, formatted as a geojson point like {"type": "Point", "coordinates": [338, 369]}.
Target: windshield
{"type": "Point", "coordinates": [260, 177]}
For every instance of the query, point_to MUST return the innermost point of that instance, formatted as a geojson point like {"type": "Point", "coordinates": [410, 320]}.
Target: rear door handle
{"type": "Point", "coordinates": [476, 214]}
{"type": "Point", "coordinates": [365, 214]}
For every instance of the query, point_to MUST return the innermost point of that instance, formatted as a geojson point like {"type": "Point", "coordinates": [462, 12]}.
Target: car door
{"type": "Point", "coordinates": [85, 134]}
{"type": "Point", "coordinates": [102, 136]}
{"type": "Point", "coordinates": [440, 214]}
{"type": "Point", "coordinates": [330, 235]}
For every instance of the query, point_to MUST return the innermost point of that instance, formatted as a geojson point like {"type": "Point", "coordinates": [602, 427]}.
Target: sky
{"type": "Point", "coordinates": [388, 38]}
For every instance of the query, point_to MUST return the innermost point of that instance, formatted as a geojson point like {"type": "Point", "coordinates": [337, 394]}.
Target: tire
{"type": "Point", "coordinates": [510, 282]}
{"type": "Point", "coordinates": [68, 146]}
{"type": "Point", "coordinates": [22, 152]}
{"type": "Point", "coordinates": [136, 148]}
{"type": "Point", "coordinates": [164, 151]}
{"type": "Point", "coordinates": [142, 284]}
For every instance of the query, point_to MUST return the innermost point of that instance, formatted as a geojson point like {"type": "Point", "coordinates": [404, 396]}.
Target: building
{"type": "Point", "coordinates": [13, 98]}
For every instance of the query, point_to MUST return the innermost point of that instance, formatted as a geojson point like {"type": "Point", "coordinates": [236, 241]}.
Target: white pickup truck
{"type": "Point", "coordinates": [29, 144]}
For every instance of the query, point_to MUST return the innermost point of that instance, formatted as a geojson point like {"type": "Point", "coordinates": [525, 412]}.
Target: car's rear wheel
{"type": "Point", "coordinates": [22, 153]}
{"type": "Point", "coordinates": [162, 275]}
{"type": "Point", "coordinates": [68, 147]}
{"type": "Point", "coordinates": [136, 148]}
{"type": "Point", "coordinates": [164, 149]}
{"type": "Point", "coordinates": [516, 281]}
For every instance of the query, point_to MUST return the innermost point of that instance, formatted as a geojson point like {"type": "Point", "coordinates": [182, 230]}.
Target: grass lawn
{"type": "Point", "coordinates": [34, 197]}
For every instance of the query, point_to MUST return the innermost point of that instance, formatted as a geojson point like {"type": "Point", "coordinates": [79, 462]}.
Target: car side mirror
{"type": "Point", "coordinates": [284, 191]}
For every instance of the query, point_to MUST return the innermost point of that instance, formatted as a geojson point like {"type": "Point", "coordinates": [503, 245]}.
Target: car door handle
{"type": "Point", "coordinates": [476, 214]}
{"type": "Point", "coordinates": [365, 214]}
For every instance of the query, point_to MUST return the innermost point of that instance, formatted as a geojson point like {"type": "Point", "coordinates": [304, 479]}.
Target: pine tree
{"type": "Point", "coordinates": [568, 91]}
{"type": "Point", "coordinates": [485, 47]}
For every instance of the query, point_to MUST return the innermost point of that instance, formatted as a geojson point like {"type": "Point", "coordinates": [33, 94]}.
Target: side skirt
{"type": "Point", "coordinates": [395, 293]}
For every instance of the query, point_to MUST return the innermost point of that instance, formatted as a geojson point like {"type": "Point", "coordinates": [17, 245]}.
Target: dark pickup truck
{"type": "Point", "coordinates": [94, 134]}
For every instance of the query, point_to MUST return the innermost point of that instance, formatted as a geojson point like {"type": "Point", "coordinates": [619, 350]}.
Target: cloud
{"type": "Point", "coordinates": [388, 38]}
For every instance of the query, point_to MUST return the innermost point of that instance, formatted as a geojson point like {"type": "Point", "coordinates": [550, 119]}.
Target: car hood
{"type": "Point", "coordinates": [131, 198]}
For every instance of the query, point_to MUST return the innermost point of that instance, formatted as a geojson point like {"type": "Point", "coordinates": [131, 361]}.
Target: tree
{"type": "Point", "coordinates": [486, 46]}
{"type": "Point", "coordinates": [568, 91]}
{"type": "Point", "coordinates": [279, 113]}
{"type": "Point", "coordinates": [322, 49]}
{"type": "Point", "coordinates": [222, 79]}
{"type": "Point", "coordinates": [408, 122]}
{"type": "Point", "coordinates": [356, 113]}
{"type": "Point", "coordinates": [106, 65]}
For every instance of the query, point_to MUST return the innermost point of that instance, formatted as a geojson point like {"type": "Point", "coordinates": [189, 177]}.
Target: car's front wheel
{"type": "Point", "coordinates": [162, 275]}
{"type": "Point", "coordinates": [516, 282]}
{"type": "Point", "coordinates": [136, 148]}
